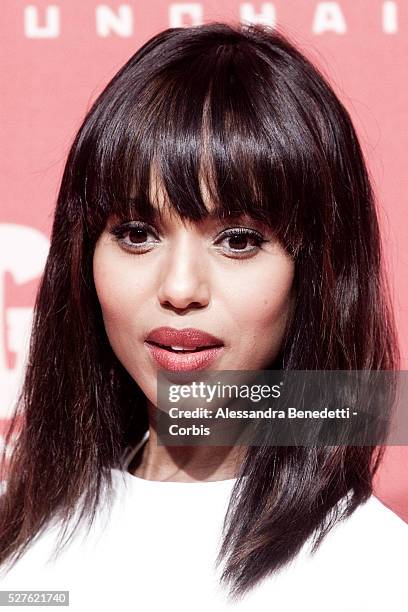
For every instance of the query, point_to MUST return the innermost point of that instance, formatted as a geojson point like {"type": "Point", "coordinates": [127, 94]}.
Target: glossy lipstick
{"type": "Point", "coordinates": [166, 346]}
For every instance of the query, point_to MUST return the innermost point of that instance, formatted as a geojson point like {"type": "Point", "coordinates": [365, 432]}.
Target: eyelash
{"type": "Point", "coordinates": [120, 231]}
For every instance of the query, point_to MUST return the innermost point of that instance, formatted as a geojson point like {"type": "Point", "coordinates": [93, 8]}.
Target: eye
{"type": "Point", "coordinates": [133, 235]}
{"type": "Point", "coordinates": [239, 239]}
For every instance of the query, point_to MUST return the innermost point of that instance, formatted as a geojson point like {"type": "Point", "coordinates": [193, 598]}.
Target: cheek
{"type": "Point", "coordinates": [109, 288]}
{"type": "Point", "coordinates": [263, 298]}
{"type": "Point", "coordinates": [261, 314]}
{"type": "Point", "coordinates": [121, 298]}
{"type": "Point", "coordinates": [117, 290]}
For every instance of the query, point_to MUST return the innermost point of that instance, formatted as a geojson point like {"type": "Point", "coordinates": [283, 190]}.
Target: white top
{"type": "Point", "coordinates": [156, 548]}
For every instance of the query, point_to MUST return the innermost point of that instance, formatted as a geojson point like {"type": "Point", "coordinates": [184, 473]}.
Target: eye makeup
{"type": "Point", "coordinates": [133, 236]}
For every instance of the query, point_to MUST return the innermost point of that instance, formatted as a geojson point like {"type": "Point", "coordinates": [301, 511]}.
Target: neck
{"type": "Point", "coordinates": [187, 463]}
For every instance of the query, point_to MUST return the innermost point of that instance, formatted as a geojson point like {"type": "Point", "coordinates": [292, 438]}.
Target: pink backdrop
{"type": "Point", "coordinates": [57, 56]}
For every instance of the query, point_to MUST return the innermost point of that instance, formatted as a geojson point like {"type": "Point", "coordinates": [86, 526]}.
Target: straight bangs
{"type": "Point", "coordinates": [219, 131]}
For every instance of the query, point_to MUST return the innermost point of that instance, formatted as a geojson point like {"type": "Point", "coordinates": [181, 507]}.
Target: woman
{"type": "Point", "coordinates": [216, 188]}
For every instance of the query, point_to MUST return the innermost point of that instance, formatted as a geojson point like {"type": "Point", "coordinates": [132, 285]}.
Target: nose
{"type": "Point", "coordinates": [184, 283]}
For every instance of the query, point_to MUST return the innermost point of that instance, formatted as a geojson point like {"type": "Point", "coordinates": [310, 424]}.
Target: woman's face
{"type": "Point", "coordinates": [193, 275]}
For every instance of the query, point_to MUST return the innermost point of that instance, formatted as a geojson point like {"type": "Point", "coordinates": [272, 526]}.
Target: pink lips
{"type": "Point", "coordinates": [206, 348]}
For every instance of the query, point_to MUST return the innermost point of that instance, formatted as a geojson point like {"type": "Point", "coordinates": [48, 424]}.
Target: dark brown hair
{"type": "Point", "coordinates": [242, 107]}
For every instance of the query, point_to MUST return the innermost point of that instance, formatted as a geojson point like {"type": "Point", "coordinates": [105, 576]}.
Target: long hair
{"type": "Point", "coordinates": [240, 108]}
